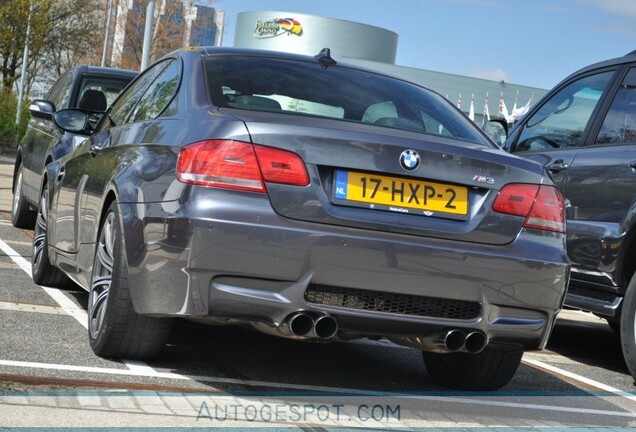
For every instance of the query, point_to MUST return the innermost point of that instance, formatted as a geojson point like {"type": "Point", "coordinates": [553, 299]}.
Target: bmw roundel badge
{"type": "Point", "coordinates": [410, 160]}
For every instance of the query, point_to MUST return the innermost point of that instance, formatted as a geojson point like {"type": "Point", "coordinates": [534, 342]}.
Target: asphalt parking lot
{"type": "Point", "coordinates": [222, 376]}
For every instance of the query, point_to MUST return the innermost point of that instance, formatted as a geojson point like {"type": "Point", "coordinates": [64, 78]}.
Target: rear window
{"type": "Point", "coordinates": [306, 88]}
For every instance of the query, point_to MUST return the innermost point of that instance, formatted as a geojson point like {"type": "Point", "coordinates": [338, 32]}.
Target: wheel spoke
{"type": "Point", "coordinates": [39, 239]}
{"type": "Point", "coordinates": [102, 277]}
{"type": "Point", "coordinates": [97, 304]}
{"type": "Point", "coordinates": [38, 248]}
{"type": "Point", "coordinates": [109, 235]}
{"type": "Point", "coordinates": [105, 260]}
{"type": "Point", "coordinates": [17, 192]}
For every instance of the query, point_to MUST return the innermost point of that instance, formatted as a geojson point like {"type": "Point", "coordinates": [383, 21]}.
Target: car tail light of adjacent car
{"type": "Point", "coordinates": [541, 205]}
{"type": "Point", "coordinates": [239, 165]}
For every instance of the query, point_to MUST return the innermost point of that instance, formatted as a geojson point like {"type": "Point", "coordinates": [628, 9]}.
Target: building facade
{"type": "Point", "coordinates": [178, 23]}
{"type": "Point", "coordinates": [375, 48]}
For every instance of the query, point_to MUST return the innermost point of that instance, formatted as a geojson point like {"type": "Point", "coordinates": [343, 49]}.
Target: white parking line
{"type": "Point", "coordinates": [142, 369]}
{"type": "Point", "coordinates": [60, 298]}
{"type": "Point", "coordinates": [578, 378]}
{"type": "Point", "coordinates": [65, 303]}
{"type": "Point", "coordinates": [330, 390]}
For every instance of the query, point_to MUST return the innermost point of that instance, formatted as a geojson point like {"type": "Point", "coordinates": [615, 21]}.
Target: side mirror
{"type": "Point", "coordinates": [497, 130]}
{"type": "Point", "coordinates": [42, 109]}
{"type": "Point", "coordinates": [73, 120]}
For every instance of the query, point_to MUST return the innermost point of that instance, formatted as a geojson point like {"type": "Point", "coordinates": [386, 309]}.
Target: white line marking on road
{"type": "Point", "coordinates": [60, 298]}
{"type": "Point", "coordinates": [581, 379]}
{"type": "Point", "coordinates": [57, 295]}
{"type": "Point", "coordinates": [454, 399]}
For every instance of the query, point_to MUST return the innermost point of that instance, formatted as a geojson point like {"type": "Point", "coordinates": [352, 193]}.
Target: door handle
{"type": "Point", "coordinates": [558, 166]}
{"type": "Point", "coordinates": [95, 149]}
{"type": "Point", "coordinates": [632, 164]}
{"type": "Point", "coordinates": [60, 174]}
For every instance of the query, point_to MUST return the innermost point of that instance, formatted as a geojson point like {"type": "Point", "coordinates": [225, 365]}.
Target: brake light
{"type": "Point", "coordinates": [541, 205]}
{"type": "Point", "coordinates": [239, 165]}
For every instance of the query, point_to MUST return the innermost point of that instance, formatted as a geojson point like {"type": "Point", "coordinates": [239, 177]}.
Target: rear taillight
{"type": "Point", "coordinates": [541, 205]}
{"type": "Point", "coordinates": [281, 166]}
{"type": "Point", "coordinates": [239, 165]}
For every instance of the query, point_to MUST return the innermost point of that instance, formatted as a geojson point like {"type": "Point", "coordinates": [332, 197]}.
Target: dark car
{"type": "Point", "coordinates": [584, 131]}
{"type": "Point", "coordinates": [87, 88]}
{"type": "Point", "coordinates": [310, 200]}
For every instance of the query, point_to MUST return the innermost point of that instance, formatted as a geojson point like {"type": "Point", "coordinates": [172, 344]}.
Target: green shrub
{"type": "Point", "coordinates": [9, 136]}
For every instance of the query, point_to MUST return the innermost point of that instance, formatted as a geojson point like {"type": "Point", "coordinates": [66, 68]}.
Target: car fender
{"type": "Point", "coordinates": [626, 261]}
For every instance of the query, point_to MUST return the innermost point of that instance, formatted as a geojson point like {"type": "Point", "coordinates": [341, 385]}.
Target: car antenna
{"type": "Point", "coordinates": [325, 59]}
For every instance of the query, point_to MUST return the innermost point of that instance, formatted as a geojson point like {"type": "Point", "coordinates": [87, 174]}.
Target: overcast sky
{"type": "Point", "coordinates": [529, 42]}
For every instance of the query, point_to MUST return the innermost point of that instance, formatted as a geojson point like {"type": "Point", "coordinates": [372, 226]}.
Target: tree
{"type": "Point", "coordinates": [14, 16]}
{"type": "Point", "coordinates": [71, 38]}
{"type": "Point", "coordinates": [62, 35]}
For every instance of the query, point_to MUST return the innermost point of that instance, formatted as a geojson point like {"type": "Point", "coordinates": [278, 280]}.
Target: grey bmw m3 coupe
{"type": "Point", "coordinates": [307, 199]}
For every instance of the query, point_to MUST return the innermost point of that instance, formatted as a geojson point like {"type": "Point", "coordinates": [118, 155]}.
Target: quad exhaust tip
{"type": "Point", "coordinates": [475, 342]}
{"type": "Point", "coordinates": [457, 340]}
{"type": "Point", "coordinates": [325, 327]}
{"type": "Point", "coordinates": [448, 341]}
{"type": "Point", "coordinates": [454, 340]}
{"type": "Point", "coordinates": [301, 324]}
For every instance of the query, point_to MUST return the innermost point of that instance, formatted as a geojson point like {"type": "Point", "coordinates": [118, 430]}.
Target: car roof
{"type": "Point", "coordinates": [107, 71]}
{"type": "Point", "coordinates": [213, 50]}
{"type": "Point", "coordinates": [628, 58]}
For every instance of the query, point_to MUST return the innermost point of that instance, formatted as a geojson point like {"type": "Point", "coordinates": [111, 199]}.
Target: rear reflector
{"type": "Point", "coordinates": [541, 205]}
{"type": "Point", "coordinates": [239, 165]}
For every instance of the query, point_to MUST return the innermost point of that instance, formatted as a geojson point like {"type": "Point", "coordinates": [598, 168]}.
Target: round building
{"type": "Point", "coordinates": [308, 34]}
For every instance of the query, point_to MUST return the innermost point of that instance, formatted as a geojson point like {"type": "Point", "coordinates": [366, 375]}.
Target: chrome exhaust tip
{"type": "Point", "coordinates": [475, 342]}
{"type": "Point", "coordinates": [299, 324]}
{"type": "Point", "coordinates": [325, 327]}
{"type": "Point", "coordinates": [454, 340]}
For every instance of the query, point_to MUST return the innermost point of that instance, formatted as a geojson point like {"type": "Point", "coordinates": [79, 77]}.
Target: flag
{"type": "Point", "coordinates": [502, 108]}
{"type": "Point", "coordinates": [471, 112]}
{"type": "Point", "coordinates": [486, 116]}
{"type": "Point", "coordinates": [517, 113]}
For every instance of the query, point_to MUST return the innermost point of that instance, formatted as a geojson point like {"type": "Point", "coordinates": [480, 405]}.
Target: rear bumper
{"type": "Point", "coordinates": [597, 301]}
{"type": "Point", "coordinates": [248, 264]}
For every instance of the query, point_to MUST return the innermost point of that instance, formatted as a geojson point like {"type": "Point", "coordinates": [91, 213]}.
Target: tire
{"type": "Point", "coordinates": [615, 326]}
{"type": "Point", "coordinates": [43, 272]}
{"type": "Point", "coordinates": [115, 330]}
{"type": "Point", "coordinates": [628, 327]}
{"type": "Point", "coordinates": [488, 370]}
{"type": "Point", "coordinates": [22, 216]}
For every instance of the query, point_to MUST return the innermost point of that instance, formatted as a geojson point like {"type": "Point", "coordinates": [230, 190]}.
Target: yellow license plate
{"type": "Point", "coordinates": [400, 194]}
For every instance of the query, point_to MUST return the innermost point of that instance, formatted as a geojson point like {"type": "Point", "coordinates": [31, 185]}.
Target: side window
{"type": "Point", "coordinates": [61, 92]}
{"type": "Point", "coordinates": [562, 119]}
{"type": "Point", "coordinates": [619, 125]}
{"type": "Point", "coordinates": [124, 105]}
{"type": "Point", "coordinates": [159, 94]}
